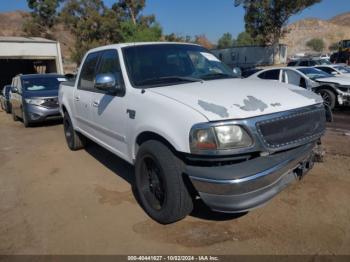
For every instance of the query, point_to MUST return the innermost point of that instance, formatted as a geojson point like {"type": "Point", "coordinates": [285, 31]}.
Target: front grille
{"type": "Point", "coordinates": [292, 129]}
{"type": "Point", "coordinates": [50, 103]}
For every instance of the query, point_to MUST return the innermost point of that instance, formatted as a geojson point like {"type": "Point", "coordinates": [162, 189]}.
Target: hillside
{"type": "Point", "coordinates": [331, 31]}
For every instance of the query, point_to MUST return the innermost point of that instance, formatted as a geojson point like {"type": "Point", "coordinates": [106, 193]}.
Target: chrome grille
{"type": "Point", "coordinates": [292, 129]}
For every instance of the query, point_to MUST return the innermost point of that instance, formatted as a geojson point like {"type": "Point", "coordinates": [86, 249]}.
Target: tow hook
{"type": "Point", "coordinates": [304, 167]}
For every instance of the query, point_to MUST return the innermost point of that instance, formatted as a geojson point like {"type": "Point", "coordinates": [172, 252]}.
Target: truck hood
{"type": "Point", "coordinates": [341, 80]}
{"type": "Point", "coordinates": [238, 98]}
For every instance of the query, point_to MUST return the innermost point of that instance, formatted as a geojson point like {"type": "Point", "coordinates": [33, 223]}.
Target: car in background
{"type": "Point", "coordinates": [334, 90]}
{"type": "Point", "coordinates": [309, 62]}
{"type": "Point", "coordinates": [336, 70]}
{"type": "Point", "coordinates": [5, 99]}
{"type": "Point", "coordinates": [34, 98]}
{"type": "Point", "coordinates": [249, 71]}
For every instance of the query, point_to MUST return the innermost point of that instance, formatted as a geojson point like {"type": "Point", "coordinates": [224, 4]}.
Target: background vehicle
{"type": "Point", "coordinates": [5, 99]}
{"type": "Point", "coordinates": [334, 90]}
{"type": "Point", "coordinates": [343, 54]}
{"type": "Point", "coordinates": [190, 128]}
{"type": "Point", "coordinates": [309, 62]}
{"type": "Point", "coordinates": [34, 97]}
{"type": "Point", "coordinates": [336, 70]}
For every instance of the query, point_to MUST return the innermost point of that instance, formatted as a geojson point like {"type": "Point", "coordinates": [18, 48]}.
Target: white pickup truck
{"type": "Point", "coordinates": [190, 127]}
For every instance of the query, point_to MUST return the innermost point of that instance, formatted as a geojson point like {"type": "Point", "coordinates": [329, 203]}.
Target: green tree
{"type": "Point", "coordinates": [244, 39]}
{"type": "Point", "coordinates": [43, 17]}
{"type": "Point", "coordinates": [174, 38]}
{"type": "Point", "coordinates": [93, 24]}
{"type": "Point", "coordinates": [266, 19]}
{"type": "Point", "coordinates": [316, 44]}
{"type": "Point", "coordinates": [226, 41]}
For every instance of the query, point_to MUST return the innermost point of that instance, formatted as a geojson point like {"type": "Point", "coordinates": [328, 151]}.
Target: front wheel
{"type": "Point", "coordinates": [160, 185]}
{"type": "Point", "coordinates": [328, 97]}
{"type": "Point", "coordinates": [75, 140]}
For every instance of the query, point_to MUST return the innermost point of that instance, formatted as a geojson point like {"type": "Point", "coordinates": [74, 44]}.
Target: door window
{"type": "Point", "coordinates": [109, 64]}
{"type": "Point", "coordinates": [87, 75]}
{"type": "Point", "coordinates": [270, 75]}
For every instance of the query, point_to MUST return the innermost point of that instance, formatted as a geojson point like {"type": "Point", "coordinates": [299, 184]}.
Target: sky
{"type": "Point", "coordinates": [209, 17]}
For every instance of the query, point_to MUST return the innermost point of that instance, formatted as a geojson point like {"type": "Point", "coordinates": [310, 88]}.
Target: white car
{"type": "Point", "coordinates": [190, 128]}
{"type": "Point", "coordinates": [334, 90]}
{"type": "Point", "coordinates": [336, 70]}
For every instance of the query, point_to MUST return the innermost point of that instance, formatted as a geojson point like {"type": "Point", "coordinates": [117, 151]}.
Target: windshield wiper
{"type": "Point", "coordinates": [165, 79]}
{"type": "Point", "coordinates": [216, 76]}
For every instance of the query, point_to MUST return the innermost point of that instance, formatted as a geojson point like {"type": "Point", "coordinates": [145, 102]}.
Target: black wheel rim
{"type": "Point", "coordinates": [68, 131]}
{"type": "Point", "coordinates": [152, 185]}
{"type": "Point", "coordinates": [326, 98]}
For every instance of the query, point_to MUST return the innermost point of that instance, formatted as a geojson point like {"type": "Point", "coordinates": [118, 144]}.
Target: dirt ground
{"type": "Point", "coordinates": [54, 201]}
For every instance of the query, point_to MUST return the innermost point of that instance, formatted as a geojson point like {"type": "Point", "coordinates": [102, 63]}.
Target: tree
{"type": "Point", "coordinates": [130, 8]}
{"type": "Point", "coordinates": [93, 24]}
{"type": "Point", "coordinates": [244, 39]}
{"type": "Point", "coordinates": [43, 17]}
{"type": "Point", "coordinates": [174, 38]}
{"type": "Point", "coordinates": [266, 19]}
{"type": "Point", "coordinates": [226, 41]}
{"type": "Point", "coordinates": [316, 44]}
{"type": "Point", "coordinates": [203, 41]}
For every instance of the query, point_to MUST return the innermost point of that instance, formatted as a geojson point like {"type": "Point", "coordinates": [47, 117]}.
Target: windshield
{"type": "Point", "coordinates": [170, 64]}
{"type": "Point", "coordinates": [42, 83]}
{"type": "Point", "coordinates": [314, 73]}
{"type": "Point", "coordinates": [343, 69]}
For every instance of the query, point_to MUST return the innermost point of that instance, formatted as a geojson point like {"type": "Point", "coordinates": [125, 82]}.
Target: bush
{"type": "Point", "coordinates": [316, 44]}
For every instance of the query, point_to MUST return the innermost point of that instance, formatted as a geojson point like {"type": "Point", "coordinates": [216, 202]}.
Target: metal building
{"type": "Point", "coordinates": [28, 55]}
{"type": "Point", "coordinates": [251, 56]}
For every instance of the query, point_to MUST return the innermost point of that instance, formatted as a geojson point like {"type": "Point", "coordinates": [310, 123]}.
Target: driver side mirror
{"type": "Point", "coordinates": [108, 82]}
{"type": "Point", "coordinates": [14, 89]}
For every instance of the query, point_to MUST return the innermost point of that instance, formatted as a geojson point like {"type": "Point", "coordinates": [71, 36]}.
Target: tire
{"type": "Point", "coordinates": [329, 97]}
{"type": "Point", "coordinates": [14, 117]}
{"type": "Point", "coordinates": [75, 140]}
{"type": "Point", "coordinates": [25, 120]}
{"type": "Point", "coordinates": [160, 185]}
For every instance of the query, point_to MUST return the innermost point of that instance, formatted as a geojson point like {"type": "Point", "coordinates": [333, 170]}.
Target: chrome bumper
{"type": "Point", "coordinates": [244, 186]}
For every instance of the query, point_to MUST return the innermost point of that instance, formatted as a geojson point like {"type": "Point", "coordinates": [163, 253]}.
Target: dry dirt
{"type": "Point", "coordinates": [54, 201]}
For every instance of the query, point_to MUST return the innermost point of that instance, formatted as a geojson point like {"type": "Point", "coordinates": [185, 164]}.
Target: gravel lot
{"type": "Point", "coordinates": [53, 201]}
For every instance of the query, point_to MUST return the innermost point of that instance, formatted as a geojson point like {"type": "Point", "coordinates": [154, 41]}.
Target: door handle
{"type": "Point", "coordinates": [95, 103]}
{"type": "Point", "coordinates": [76, 98]}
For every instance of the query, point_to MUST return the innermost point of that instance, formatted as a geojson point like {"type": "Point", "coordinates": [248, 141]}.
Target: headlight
{"type": "Point", "coordinates": [36, 102]}
{"type": "Point", "coordinates": [344, 89]}
{"type": "Point", "coordinates": [232, 137]}
{"type": "Point", "coordinates": [220, 137]}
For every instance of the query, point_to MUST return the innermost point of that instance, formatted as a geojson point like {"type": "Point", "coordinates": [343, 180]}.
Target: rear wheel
{"type": "Point", "coordinates": [75, 140]}
{"type": "Point", "coordinates": [160, 185]}
{"type": "Point", "coordinates": [328, 97]}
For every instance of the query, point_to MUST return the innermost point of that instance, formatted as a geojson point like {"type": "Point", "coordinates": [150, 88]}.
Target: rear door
{"type": "Point", "coordinates": [83, 93]}
{"type": "Point", "coordinates": [109, 111]}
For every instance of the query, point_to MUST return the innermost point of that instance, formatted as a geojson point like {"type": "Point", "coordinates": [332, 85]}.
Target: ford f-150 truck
{"type": "Point", "coordinates": [191, 129]}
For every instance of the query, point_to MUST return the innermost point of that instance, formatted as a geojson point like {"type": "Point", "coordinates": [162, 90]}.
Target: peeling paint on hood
{"type": "Point", "coordinates": [252, 104]}
{"type": "Point", "coordinates": [237, 98]}
{"type": "Point", "coordinates": [216, 109]}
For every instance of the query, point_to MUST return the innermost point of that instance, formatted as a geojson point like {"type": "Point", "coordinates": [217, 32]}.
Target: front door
{"type": "Point", "coordinates": [109, 111]}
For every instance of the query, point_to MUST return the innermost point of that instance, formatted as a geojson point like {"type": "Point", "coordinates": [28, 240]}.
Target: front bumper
{"type": "Point", "coordinates": [249, 184]}
{"type": "Point", "coordinates": [36, 114]}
